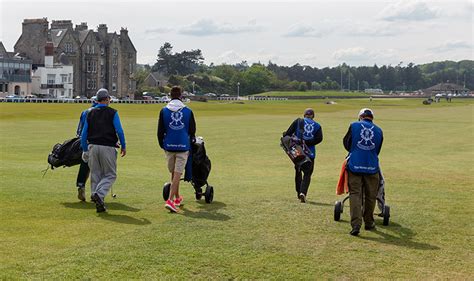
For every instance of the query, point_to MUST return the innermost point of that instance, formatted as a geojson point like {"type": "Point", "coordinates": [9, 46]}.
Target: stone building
{"type": "Point", "coordinates": [99, 58]}
{"type": "Point", "coordinates": [15, 74]}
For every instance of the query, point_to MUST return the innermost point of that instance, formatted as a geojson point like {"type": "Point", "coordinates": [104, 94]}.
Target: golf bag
{"type": "Point", "coordinates": [295, 147]}
{"type": "Point", "coordinates": [198, 166]}
{"type": "Point", "coordinates": [381, 193]}
{"type": "Point", "coordinates": [67, 154]}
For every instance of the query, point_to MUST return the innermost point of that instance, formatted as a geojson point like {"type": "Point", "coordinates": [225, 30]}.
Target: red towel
{"type": "Point", "coordinates": [342, 185]}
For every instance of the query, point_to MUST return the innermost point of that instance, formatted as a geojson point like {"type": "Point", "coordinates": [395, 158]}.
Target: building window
{"type": "Point", "coordinates": [102, 51]}
{"type": "Point", "coordinates": [62, 93]}
{"type": "Point", "coordinates": [115, 52]}
{"type": "Point", "coordinates": [51, 92]}
{"type": "Point", "coordinates": [51, 79]}
{"type": "Point", "coordinates": [114, 87]}
{"type": "Point", "coordinates": [130, 67]}
{"type": "Point", "coordinates": [92, 49]}
{"type": "Point", "coordinates": [91, 84]}
{"type": "Point", "coordinates": [69, 48]}
{"type": "Point", "coordinates": [69, 92]}
{"type": "Point", "coordinates": [114, 61]}
{"type": "Point", "coordinates": [91, 66]}
{"type": "Point", "coordinates": [69, 77]}
{"type": "Point", "coordinates": [64, 78]}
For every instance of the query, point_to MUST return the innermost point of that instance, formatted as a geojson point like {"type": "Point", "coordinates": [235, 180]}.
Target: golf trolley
{"type": "Point", "coordinates": [384, 208]}
{"type": "Point", "coordinates": [197, 171]}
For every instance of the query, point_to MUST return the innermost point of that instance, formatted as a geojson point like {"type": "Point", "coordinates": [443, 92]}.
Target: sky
{"type": "Point", "coordinates": [318, 33]}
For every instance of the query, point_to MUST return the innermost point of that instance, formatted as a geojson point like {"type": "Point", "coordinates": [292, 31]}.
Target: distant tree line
{"type": "Point", "coordinates": [188, 66]}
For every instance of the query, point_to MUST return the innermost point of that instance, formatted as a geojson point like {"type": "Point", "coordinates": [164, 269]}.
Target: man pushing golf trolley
{"type": "Point", "coordinates": [361, 175]}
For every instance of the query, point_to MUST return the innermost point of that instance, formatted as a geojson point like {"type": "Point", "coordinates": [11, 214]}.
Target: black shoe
{"type": "Point", "coordinates": [355, 230]}
{"type": "Point", "coordinates": [302, 198]}
{"type": "Point", "coordinates": [370, 226]}
{"type": "Point", "coordinates": [81, 193]}
{"type": "Point", "coordinates": [92, 199]}
{"type": "Point", "coordinates": [99, 204]}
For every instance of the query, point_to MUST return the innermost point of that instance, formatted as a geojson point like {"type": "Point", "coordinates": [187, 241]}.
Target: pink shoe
{"type": "Point", "coordinates": [170, 206]}
{"type": "Point", "coordinates": [178, 201]}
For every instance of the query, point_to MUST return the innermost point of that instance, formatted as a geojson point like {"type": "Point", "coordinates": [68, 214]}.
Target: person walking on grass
{"type": "Point", "coordinates": [84, 170]}
{"type": "Point", "coordinates": [99, 143]}
{"type": "Point", "coordinates": [176, 132]}
{"type": "Point", "coordinates": [363, 141]}
{"type": "Point", "coordinates": [310, 133]}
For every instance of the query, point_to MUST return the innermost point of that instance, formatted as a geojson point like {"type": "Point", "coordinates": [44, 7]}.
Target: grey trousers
{"type": "Point", "coordinates": [103, 166]}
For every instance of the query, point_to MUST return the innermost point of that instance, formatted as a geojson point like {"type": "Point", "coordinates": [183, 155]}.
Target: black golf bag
{"type": "Point", "coordinates": [67, 154]}
{"type": "Point", "coordinates": [198, 168]}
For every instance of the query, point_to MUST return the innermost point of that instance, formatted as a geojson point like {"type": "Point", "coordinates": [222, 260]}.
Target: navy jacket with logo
{"type": "Point", "coordinates": [364, 142]}
{"type": "Point", "coordinates": [308, 130]}
{"type": "Point", "coordinates": [176, 127]}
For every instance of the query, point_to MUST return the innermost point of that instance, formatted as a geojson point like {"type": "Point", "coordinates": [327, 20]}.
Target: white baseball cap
{"type": "Point", "coordinates": [366, 112]}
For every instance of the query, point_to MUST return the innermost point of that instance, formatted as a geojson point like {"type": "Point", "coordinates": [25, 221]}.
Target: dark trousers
{"type": "Point", "coordinates": [82, 175]}
{"type": "Point", "coordinates": [303, 177]}
{"type": "Point", "coordinates": [362, 186]}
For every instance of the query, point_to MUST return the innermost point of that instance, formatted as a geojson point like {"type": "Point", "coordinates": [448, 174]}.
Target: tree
{"type": "Point", "coordinates": [183, 63]}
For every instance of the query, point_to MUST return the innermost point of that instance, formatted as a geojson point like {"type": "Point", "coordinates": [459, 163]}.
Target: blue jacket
{"type": "Point", "coordinates": [176, 123]}
{"type": "Point", "coordinates": [82, 120]}
{"type": "Point", "coordinates": [308, 130]}
{"type": "Point", "coordinates": [364, 142]}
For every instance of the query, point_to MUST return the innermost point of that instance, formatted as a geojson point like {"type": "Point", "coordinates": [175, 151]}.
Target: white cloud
{"type": "Point", "coordinates": [453, 45]}
{"type": "Point", "coordinates": [360, 55]}
{"type": "Point", "coordinates": [159, 30]}
{"type": "Point", "coordinates": [303, 30]}
{"type": "Point", "coordinates": [409, 10]}
{"type": "Point", "coordinates": [208, 27]}
{"type": "Point", "coordinates": [373, 29]}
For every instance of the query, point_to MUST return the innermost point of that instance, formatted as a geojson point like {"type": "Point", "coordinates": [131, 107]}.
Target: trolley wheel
{"type": "Point", "coordinates": [166, 191]}
{"type": "Point", "coordinates": [337, 210]}
{"type": "Point", "coordinates": [198, 193]}
{"type": "Point", "coordinates": [209, 194]}
{"type": "Point", "coordinates": [386, 215]}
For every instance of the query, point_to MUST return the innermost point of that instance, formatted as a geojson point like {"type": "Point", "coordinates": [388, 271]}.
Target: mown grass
{"type": "Point", "coordinates": [312, 94]}
{"type": "Point", "coordinates": [255, 228]}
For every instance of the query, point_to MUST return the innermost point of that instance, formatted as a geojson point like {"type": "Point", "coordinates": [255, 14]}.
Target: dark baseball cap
{"type": "Point", "coordinates": [309, 112]}
{"type": "Point", "coordinates": [102, 94]}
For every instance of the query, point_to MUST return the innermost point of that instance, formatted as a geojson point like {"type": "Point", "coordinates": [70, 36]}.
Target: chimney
{"type": "Point", "coordinates": [48, 54]}
{"type": "Point", "coordinates": [61, 24]}
{"type": "Point", "coordinates": [102, 30]}
{"type": "Point", "coordinates": [35, 26]}
{"type": "Point", "coordinates": [81, 27]}
{"type": "Point", "coordinates": [123, 32]}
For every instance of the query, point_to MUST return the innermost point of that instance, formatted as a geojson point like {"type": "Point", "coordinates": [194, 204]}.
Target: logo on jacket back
{"type": "Point", "coordinates": [176, 120]}
{"type": "Point", "coordinates": [308, 130]}
{"type": "Point", "coordinates": [366, 135]}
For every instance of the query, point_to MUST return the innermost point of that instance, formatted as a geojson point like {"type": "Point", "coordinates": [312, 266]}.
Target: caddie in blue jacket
{"type": "Point", "coordinates": [311, 133]}
{"type": "Point", "coordinates": [176, 132]}
{"type": "Point", "coordinates": [363, 141]}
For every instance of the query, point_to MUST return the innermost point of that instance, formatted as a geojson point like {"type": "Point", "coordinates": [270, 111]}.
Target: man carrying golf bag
{"type": "Point", "coordinates": [99, 145]}
{"type": "Point", "coordinates": [84, 170]}
{"type": "Point", "coordinates": [176, 132]}
{"type": "Point", "coordinates": [310, 133]}
{"type": "Point", "coordinates": [363, 141]}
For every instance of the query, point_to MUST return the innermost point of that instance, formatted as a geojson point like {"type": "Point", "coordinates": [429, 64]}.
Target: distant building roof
{"type": "Point", "coordinates": [57, 35]}
{"type": "Point", "coordinates": [446, 87]}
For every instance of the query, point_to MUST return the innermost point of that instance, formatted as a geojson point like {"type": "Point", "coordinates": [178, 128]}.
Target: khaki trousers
{"type": "Point", "coordinates": [362, 185]}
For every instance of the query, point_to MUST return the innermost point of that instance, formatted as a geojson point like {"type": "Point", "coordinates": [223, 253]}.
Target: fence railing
{"type": "Point", "coordinates": [20, 100]}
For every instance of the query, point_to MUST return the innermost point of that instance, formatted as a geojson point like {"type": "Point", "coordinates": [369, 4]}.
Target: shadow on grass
{"type": "Point", "coordinates": [403, 237]}
{"type": "Point", "coordinates": [124, 219]}
{"type": "Point", "coordinates": [207, 211]}
{"type": "Point", "coordinates": [319, 204]}
{"type": "Point", "coordinates": [90, 205]}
